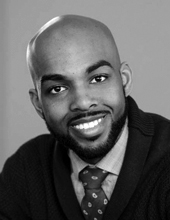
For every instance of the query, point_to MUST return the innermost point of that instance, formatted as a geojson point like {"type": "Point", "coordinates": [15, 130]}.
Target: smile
{"type": "Point", "coordinates": [88, 125]}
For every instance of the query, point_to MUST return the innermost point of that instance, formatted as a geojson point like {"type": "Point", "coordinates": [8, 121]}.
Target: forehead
{"type": "Point", "coordinates": [73, 49]}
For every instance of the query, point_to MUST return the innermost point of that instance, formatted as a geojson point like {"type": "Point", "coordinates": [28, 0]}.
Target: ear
{"type": "Point", "coordinates": [36, 102]}
{"type": "Point", "coordinates": [126, 75]}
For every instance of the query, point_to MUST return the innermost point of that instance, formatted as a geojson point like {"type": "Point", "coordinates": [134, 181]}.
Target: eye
{"type": "Point", "coordinates": [57, 89]}
{"type": "Point", "coordinates": [98, 79]}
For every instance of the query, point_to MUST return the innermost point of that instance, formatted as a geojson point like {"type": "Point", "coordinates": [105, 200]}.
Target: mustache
{"type": "Point", "coordinates": [87, 114]}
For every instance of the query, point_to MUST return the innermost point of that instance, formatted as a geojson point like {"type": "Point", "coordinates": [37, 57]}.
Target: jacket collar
{"type": "Point", "coordinates": [63, 185]}
{"type": "Point", "coordinates": [139, 119]}
{"type": "Point", "coordinates": [141, 130]}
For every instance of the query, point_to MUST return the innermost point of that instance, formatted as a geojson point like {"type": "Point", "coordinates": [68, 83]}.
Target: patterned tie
{"type": "Point", "coordinates": [95, 200]}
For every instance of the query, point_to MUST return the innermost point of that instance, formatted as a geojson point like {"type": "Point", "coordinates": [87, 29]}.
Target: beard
{"type": "Point", "coordinates": [96, 152]}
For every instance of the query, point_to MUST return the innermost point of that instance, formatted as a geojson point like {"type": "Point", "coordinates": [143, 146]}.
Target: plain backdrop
{"type": "Point", "coordinates": [141, 29]}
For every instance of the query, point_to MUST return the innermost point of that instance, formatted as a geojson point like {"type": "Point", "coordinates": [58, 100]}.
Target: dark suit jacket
{"type": "Point", "coordinates": [35, 182]}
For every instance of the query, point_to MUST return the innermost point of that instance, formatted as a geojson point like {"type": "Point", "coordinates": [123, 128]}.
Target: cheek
{"type": "Point", "coordinates": [55, 113]}
{"type": "Point", "coordinates": [115, 99]}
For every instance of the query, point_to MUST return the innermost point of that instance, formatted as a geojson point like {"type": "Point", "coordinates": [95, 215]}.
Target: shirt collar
{"type": "Point", "coordinates": [112, 162]}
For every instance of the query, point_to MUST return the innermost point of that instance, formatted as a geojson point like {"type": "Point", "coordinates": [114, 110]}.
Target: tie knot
{"type": "Point", "coordinates": [92, 177]}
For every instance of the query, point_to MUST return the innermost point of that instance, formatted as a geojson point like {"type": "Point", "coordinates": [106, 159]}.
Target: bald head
{"type": "Point", "coordinates": [65, 36]}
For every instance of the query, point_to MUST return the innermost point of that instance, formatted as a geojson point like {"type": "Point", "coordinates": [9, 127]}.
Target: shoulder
{"type": "Point", "coordinates": [33, 153]}
{"type": "Point", "coordinates": [29, 162]}
{"type": "Point", "coordinates": [161, 125]}
{"type": "Point", "coordinates": [148, 123]}
{"type": "Point", "coordinates": [159, 120]}
{"type": "Point", "coordinates": [24, 173]}
{"type": "Point", "coordinates": [38, 146]}
{"type": "Point", "coordinates": [39, 143]}
{"type": "Point", "coordinates": [42, 140]}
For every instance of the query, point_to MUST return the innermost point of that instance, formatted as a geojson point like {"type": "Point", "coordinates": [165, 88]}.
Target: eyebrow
{"type": "Point", "coordinates": [97, 65]}
{"type": "Point", "coordinates": [52, 77]}
{"type": "Point", "coordinates": [60, 77]}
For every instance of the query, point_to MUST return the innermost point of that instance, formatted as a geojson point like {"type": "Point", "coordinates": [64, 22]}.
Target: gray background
{"type": "Point", "coordinates": [142, 32]}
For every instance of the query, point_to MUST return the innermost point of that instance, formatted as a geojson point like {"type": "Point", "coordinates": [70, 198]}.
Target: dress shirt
{"type": "Point", "coordinates": [112, 163]}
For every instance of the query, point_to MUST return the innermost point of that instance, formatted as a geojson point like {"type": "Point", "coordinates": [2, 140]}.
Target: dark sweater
{"type": "Point", "coordinates": [35, 182]}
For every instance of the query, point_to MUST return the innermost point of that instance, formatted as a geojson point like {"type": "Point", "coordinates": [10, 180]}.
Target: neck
{"type": "Point", "coordinates": [92, 161]}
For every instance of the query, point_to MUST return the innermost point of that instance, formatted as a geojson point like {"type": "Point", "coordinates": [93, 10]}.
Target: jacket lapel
{"type": "Point", "coordinates": [141, 130]}
{"type": "Point", "coordinates": [135, 157]}
{"type": "Point", "coordinates": [63, 184]}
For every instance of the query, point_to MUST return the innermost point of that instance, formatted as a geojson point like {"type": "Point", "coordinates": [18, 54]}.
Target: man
{"type": "Point", "coordinates": [81, 90]}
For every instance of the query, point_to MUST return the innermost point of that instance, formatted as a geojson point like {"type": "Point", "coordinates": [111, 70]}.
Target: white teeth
{"type": "Point", "coordinates": [91, 124]}
{"type": "Point", "coordinates": [88, 125]}
{"type": "Point", "coordinates": [81, 126]}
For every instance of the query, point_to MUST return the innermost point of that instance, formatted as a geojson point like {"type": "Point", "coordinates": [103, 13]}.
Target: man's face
{"type": "Point", "coordinates": [81, 95]}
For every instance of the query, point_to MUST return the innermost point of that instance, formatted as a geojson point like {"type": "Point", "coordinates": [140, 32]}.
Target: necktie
{"type": "Point", "coordinates": [94, 202]}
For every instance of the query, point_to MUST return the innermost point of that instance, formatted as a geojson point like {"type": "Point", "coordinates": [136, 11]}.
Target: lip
{"type": "Point", "coordinates": [91, 132]}
{"type": "Point", "coordinates": [87, 119]}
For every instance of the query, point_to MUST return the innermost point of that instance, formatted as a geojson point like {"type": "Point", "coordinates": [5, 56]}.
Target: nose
{"type": "Point", "coordinates": [83, 100]}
